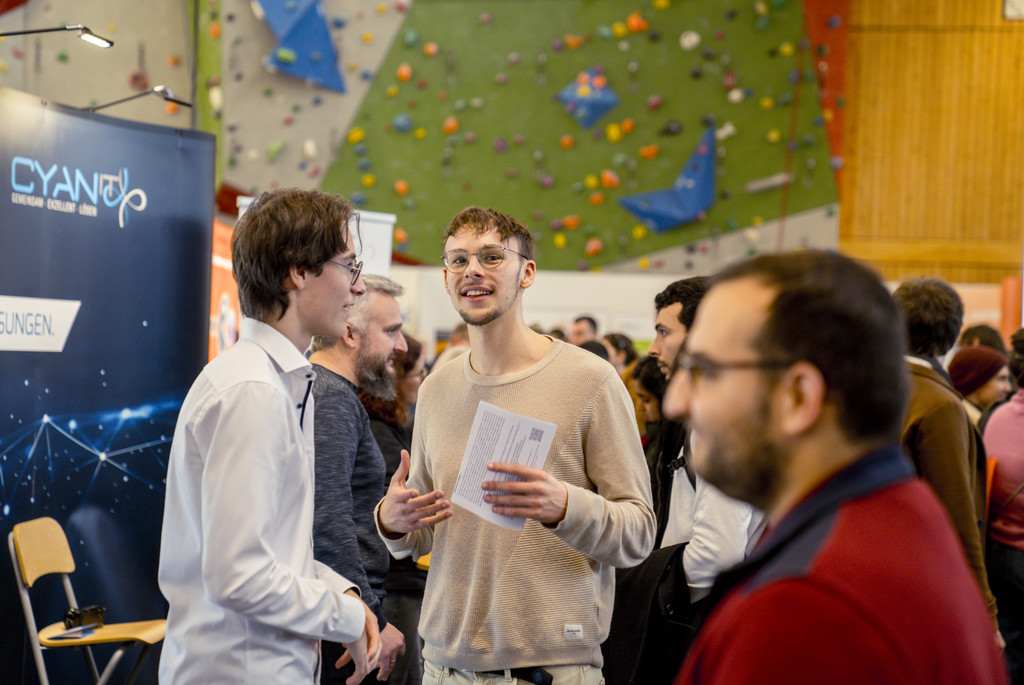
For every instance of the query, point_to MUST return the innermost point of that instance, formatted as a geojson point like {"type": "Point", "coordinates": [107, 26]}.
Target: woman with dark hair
{"type": "Point", "coordinates": [620, 350]}
{"type": "Point", "coordinates": [391, 423]}
{"type": "Point", "coordinates": [1004, 561]}
{"type": "Point", "coordinates": [650, 384]}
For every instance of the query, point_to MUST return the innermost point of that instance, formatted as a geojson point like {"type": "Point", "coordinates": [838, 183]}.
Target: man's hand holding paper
{"type": "Point", "coordinates": [539, 495]}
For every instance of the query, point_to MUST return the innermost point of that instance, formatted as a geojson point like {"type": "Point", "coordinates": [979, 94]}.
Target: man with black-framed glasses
{"type": "Point", "coordinates": [500, 603]}
{"type": "Point", "coordinates": [794, 386]}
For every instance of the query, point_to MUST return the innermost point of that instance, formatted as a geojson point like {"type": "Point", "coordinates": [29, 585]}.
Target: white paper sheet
{"type": "Point", "coordinates": [75, 633]}
{"type": "Point", "coordinates": [499, 436]}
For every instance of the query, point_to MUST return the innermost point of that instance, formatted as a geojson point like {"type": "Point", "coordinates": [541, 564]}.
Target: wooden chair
{"type": "Point", "coordinates": [39, 548]}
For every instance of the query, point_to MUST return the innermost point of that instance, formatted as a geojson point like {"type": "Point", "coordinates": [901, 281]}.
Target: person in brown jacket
{"type": "Point", "coordinates": [937, 434]}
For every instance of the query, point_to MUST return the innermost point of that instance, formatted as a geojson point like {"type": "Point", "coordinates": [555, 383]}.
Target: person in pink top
{"type": "Point", "coordinates": [1004, 441]}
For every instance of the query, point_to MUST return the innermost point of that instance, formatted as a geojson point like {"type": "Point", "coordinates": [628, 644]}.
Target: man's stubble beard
{"type": "Point", "coordinates": [492, 315]}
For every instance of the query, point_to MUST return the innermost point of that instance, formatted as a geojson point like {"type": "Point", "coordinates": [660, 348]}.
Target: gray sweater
{"type": "Point", "coordinates": [349, 482]}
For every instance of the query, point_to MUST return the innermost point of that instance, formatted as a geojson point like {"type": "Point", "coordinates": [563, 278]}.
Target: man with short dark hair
{"type": "Point", "coordinates": [794, 384]}
{"type": "Point", "coordinates": [675, 307]}
{"type": "Point", "coordinates": [349, 466]}
{"type": "Point", "coordinates": [985, 335]}
{"type": "Point", "coordinates": [937, 433]}
{"type": "Point", "coordinates": [716, 528]}
{"type": "Point", "coordinates": [584, 328]}
{"type": "Point", "coordinates": [699, 528]}
{"type": "Point", "coordinates": [503, 605]}
{"type": "Point", "coordinates": [248, 602]}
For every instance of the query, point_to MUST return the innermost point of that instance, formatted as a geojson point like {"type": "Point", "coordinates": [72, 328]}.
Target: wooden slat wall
{"type": "Point", "coordinates": [933, 181]}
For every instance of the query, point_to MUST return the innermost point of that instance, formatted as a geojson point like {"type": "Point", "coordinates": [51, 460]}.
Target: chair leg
{"type": "Point", "coordinates": [30, 621]}
{"type": "Point", "coordinates": [90, 662]}
{"type": "Point", "coordinates": [37, 655]}
{"type": "Point", "coordinates": [115, 658]}
{"type": "Point", "coordinates": [138, 664]}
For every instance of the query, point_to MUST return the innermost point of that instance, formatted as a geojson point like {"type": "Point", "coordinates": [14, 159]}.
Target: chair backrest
{"type": "Point", "coordinates": [42, 549]}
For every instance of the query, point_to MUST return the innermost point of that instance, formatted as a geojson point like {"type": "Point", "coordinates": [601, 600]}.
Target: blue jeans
{"type": "Point", "coordinates": [1005, 566]}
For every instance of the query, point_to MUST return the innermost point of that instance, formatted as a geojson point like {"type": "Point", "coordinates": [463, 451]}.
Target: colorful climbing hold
{"type": "Point", "coordinates": [648, 151]}
{"type": "Point", "coordinates": [609, 179]}
{"type": "Point", "coordinates": [636, 23]}
{"type": "Point", "coordinates": [274, 149]}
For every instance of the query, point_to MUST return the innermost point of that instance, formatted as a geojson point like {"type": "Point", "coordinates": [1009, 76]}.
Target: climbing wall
{"type": "Point", "coordinates": [583, 119]}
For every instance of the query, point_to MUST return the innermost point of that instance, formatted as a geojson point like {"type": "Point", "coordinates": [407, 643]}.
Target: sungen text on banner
{"type": "Point", "coordinates": [34, 324]}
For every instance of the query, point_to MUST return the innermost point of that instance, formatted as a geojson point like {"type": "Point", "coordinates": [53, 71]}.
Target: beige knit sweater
{"type": "Point", "coordinates": [500, 598]}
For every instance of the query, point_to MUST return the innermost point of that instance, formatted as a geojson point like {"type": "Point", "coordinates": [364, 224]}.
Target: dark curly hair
{"type": "Point", "coordinates": [688, 292]}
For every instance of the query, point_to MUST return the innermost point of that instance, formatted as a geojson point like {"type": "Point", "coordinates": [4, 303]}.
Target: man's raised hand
{"type": "Point", "coordinates": [404, 510]}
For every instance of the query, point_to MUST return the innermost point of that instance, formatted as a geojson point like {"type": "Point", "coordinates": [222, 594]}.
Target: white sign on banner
{"type": "Point", "coordinates": [376, 230]}
{"type": "Point", "coordinates": [35, 324]}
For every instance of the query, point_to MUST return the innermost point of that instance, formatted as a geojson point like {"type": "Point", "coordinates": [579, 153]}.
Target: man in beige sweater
{"type": "Point", "coordinates": [500, 603]}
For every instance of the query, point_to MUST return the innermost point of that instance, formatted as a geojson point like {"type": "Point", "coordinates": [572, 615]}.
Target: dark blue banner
{"type": "Point", "coordinates": [105, 240]}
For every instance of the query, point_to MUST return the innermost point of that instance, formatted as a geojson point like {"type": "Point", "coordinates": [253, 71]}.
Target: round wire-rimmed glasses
{"type": "Point", "coordinates": [489, 256]}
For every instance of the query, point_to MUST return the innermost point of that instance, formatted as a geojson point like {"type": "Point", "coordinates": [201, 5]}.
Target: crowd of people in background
{"type": "Point", "coordinates": [985, 376]}
{"type": "Point", "coordinates": [782, 487]}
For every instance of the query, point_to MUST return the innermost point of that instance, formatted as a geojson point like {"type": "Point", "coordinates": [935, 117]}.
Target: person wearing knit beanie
{"type": "Point", "coordinates": [981, 375]}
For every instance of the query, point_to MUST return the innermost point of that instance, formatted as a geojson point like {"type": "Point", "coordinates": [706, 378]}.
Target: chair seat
{"type": "Point", "coordinates": [149, 632]}
{"type": "Point", "coordinates": [423, 563]}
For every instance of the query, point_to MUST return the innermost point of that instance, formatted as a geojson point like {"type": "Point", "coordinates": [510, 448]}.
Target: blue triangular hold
{"type": "Point", "coordinates": [307, 52]}
{"type": "Point", "coordinates": [282, 15]}
{"type": "Point", "coordinates": [588, 97]}
{"type": "Point", "coordinates": [692, 193]}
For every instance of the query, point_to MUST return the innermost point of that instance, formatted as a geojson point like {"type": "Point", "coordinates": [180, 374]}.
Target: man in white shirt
{"type": "Point", "coordinates": [717, 528]}
{"type": "Point", "coordinates": [248, 603]}
{"type": "Point", "coordinates": [700, 530]}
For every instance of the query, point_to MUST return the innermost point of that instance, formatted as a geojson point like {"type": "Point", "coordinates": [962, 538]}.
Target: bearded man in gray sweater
{"type": "Point", "coordinates": [350, 469]}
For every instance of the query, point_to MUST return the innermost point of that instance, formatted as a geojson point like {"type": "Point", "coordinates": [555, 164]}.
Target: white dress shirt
{"type": "Point", "coordinates": [247, 601]}
{"type": "Point", "coordinates": [717, 527]}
